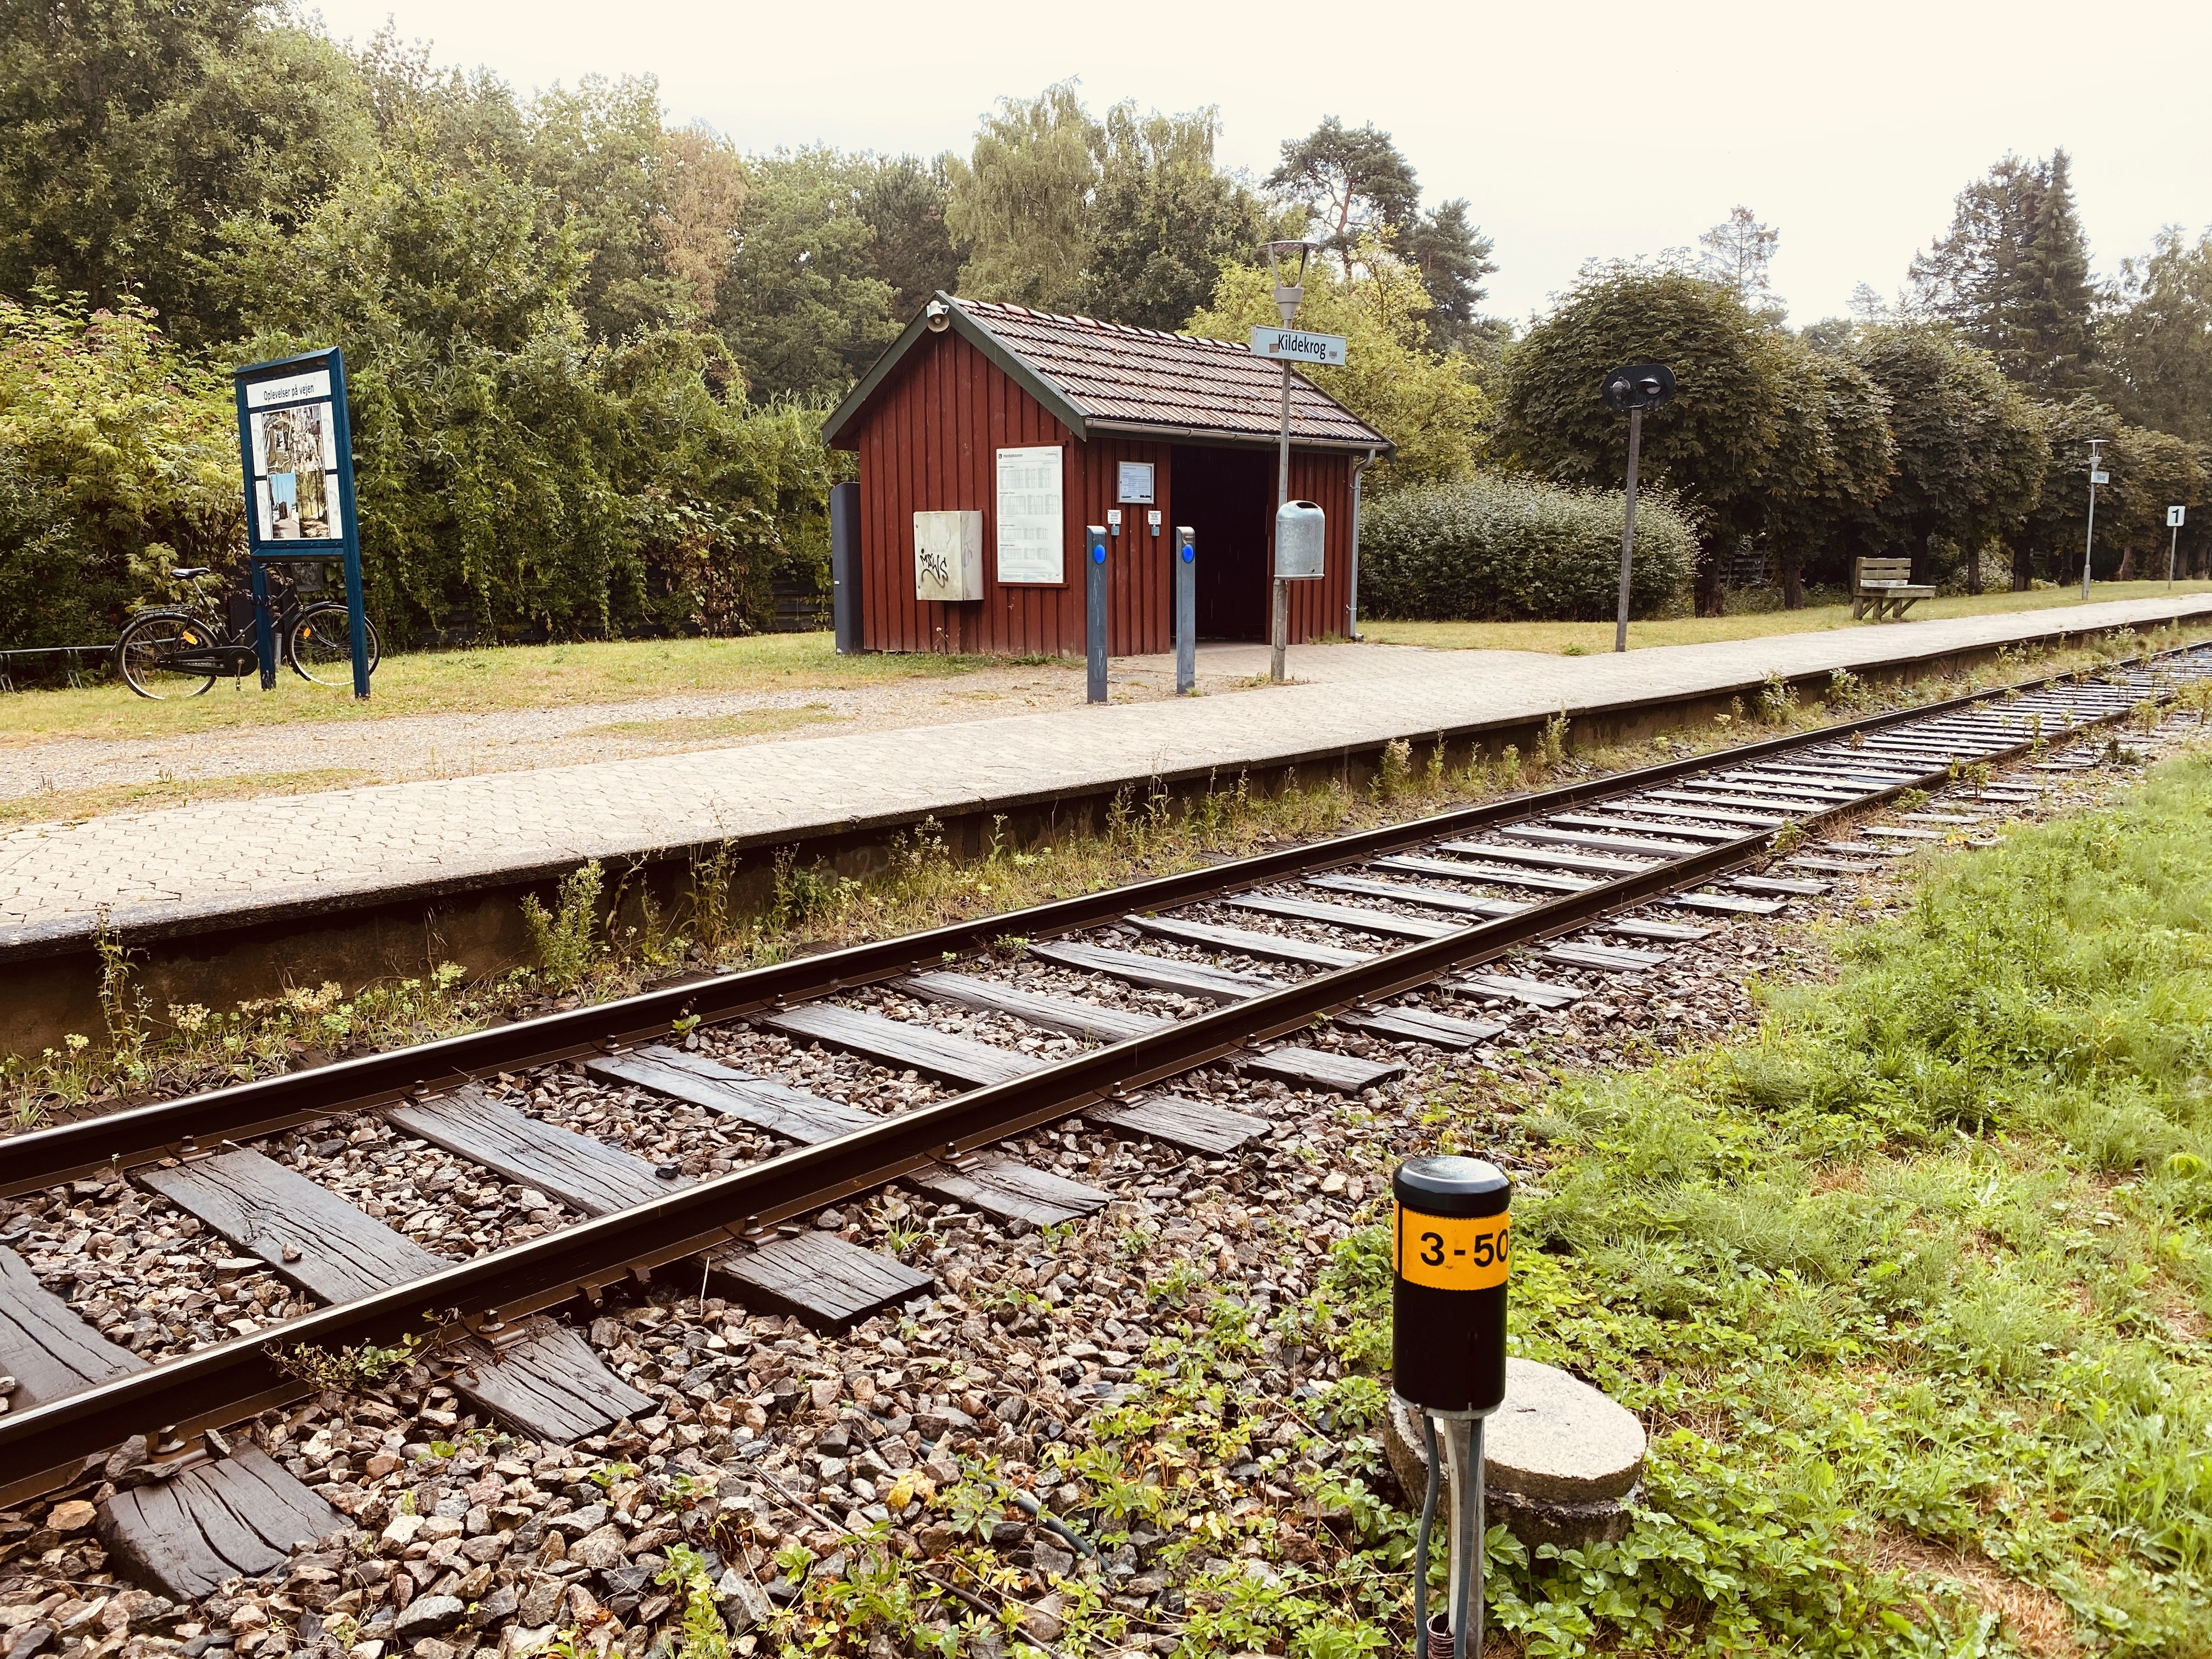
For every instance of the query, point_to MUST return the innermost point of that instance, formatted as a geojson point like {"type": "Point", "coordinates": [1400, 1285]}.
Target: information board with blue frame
{"type": "Point", "coordinates": [296, 450]}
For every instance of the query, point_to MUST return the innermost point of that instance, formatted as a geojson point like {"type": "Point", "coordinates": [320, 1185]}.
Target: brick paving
{"type": "Point", "coordinates": [200, 864]}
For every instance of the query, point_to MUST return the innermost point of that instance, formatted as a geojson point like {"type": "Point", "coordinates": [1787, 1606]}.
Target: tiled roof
{"type": "Point", "coordinates": [1119, 376]}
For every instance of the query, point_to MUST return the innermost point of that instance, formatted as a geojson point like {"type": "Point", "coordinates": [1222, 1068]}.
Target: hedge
{"type": "Point", "coordinates": [1502, 549]}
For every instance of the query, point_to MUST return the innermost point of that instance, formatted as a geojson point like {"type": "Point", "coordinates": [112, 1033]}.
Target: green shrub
{"type": "Point", "coordinates": [1501, 549]}
{"type": "Point", "coordinates": [119, 459]}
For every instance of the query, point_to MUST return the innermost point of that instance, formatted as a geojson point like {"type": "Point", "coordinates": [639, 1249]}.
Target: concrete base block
{"type": "Point", "coordinates": [1560, 1459]}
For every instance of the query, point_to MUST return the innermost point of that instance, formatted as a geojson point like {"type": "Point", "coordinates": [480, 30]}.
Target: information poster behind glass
{"type": "Point", "coordinates": [297, 452]}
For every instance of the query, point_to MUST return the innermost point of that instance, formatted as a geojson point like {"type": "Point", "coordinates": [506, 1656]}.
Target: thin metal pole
{"type": "Point", "coordinates": [1352, 586]}
{"type": "Point", "coordinates": [2089, 546]}
{"type": "Point", "coordinates": [1421, 1542]}
{"type": "Point", "coordinates": [1463, 1450]}
{"type": "Point", "coordinates": [2172, 547]}
{"type": "Point", "coordinates": [1475, 1552]}
{"type": "Point", "coordinates": [264, 630]}
{"type": "Point", "coordinates": [1278, 635]}
{"type": "Point", "coordinates": [1628, 527]}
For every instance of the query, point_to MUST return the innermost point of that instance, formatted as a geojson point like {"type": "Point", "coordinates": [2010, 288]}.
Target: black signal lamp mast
{"type": "Point", "coordinates": [1629, 390]}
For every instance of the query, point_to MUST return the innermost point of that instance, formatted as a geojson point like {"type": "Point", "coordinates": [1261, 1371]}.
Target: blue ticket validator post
{"type": "Point", "coordinates": [1094, 612]}
{"type": "Point", "coordinates": [1185, 609]}
{"type": "Point", "coordinates": [295, 448]}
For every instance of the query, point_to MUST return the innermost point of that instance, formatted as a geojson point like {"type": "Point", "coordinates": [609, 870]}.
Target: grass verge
{"type": "Point", "coordinates": [1580, 639]}
{"type": "Point", "coordinates": [482, 681]}
{"type": "Point", "coordinates": [1912, 1286]}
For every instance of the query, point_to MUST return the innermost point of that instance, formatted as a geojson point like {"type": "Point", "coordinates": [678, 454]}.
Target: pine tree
{"type": "Point", "coordinates": [2012, 275]}
{"type": "Point", "coordinates": [2052, 343]}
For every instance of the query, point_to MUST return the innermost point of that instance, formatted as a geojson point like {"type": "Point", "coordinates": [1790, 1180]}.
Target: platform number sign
{"type": "Point", "coordinates": [1454, 1253]}
{"type": "Point", "coordinates": [2176, 517]}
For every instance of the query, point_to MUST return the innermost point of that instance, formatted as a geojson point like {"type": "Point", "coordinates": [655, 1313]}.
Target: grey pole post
{"type": "Point", "coordinates": [1294, 255]}
{"type": "Point", "coordinates": [2089, 546]}
{"type": "Point", "coordinates": [2172, 547]}
{"type": "Point", "coordinates": [1628, 527]}
{"type": "Point", "coordinates": [1352, 604]}
{"type": "Point", "coordinates": [1094, 610]}
{"type": "Point", "coordinates": [1279, 631]}
{"type": "Point", "coordinates": [1463, 1458]}
{"type": "Point", "coordinates": [1186, 610]}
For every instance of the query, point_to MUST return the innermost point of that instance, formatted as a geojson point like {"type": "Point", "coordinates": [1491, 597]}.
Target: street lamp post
{"type": "Point", "coordinates": [1286, 263]}
{"type": "Point", "coordinates": [2097, 476]}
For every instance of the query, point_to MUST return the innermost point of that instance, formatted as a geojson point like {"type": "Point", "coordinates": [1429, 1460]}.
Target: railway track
{"type": "Point", "coordinates": [695, 1126]}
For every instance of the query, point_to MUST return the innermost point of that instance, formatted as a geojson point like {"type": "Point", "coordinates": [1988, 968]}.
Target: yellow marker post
{"type": "Point", "coordinates": [1452, 1252]}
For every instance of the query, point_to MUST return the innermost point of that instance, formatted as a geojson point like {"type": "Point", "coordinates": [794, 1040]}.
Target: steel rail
{"type": "Point", "coordinates": [46, 1445]}
{"type": "Point", "coordinates": [250, 1110]}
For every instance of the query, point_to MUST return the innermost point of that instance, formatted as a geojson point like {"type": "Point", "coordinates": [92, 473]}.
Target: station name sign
{"type": "Point", "coordinates": [1296, 346]}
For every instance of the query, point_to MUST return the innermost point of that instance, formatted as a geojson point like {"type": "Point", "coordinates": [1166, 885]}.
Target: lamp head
{"type": "Point", "coordinates": [1287, 263]}
{"type": "Point", "coordinates": [1637, 385]}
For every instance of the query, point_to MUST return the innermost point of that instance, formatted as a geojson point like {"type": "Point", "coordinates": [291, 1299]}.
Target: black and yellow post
{"type": "Point", "coordinates": [1450, 1257]}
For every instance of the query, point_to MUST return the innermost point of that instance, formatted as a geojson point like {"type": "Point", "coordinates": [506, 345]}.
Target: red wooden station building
{"type": "Point", "coordinates": [1012, 430]}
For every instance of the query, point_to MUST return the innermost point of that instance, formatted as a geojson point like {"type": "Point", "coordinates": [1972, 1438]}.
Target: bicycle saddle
{"type": "Point", "coordinates": [191, 571]}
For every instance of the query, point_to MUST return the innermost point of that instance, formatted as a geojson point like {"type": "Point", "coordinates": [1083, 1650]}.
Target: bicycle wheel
{"type": "Point", "coordinates": [165, 655]}
{"type": "Point", "coordinates": [320, 646]}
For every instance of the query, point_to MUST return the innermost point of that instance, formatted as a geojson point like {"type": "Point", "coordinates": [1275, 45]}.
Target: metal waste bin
{"type": "Point", "coordinates": [1301, 539]}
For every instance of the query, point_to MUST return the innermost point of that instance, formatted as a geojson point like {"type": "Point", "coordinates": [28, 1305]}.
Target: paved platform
{"type": "Point", "coordinates": [200, 866]}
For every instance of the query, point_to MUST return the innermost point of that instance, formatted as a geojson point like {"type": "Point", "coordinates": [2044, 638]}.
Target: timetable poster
{"type": "Point", "coordinates": [295, 460]}
{"type": "Point", "coordinates": [1032, 518]}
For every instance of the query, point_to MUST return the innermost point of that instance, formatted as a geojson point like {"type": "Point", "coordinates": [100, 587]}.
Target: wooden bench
{"type": "Point", "coordinates": [1879, 585]}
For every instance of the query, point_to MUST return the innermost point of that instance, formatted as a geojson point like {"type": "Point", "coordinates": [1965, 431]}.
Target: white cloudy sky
{"type": "Point", "coordinates": [1597, 128]}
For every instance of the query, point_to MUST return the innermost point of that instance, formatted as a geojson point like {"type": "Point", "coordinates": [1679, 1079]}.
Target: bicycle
{"type": "Point", "coordinates": [179, 653]}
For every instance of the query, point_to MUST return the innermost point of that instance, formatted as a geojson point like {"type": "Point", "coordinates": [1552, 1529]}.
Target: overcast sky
{"type": "Point", "coordinates": [1591, 128]}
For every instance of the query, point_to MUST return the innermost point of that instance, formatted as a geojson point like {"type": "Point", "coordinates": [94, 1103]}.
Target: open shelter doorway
{"type": "Point", "coordinates": [1226, 495]}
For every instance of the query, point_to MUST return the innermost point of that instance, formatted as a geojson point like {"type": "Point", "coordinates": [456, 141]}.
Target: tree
{"type": "Point", "coordinates": [511, 474]}
{"type": "Point", "coordinates": [119, 459]}
{"type": "Point", "coordinates": [1355, 187]}
{"type": "Point", "coordinates": [2156, 343]}
{"type": "Point", "coordinates": [1130, 219]}
{"type": "Point", "coordinates": [904, 201]}
{"type": "Point", "coordinates": [1426, 402]}
{"type": "Point", "coordinates": [601, 156]}
{"type": "Point", "coordinates": [1021, 203]}
{"type": "Point", "coordinates": [703, 201]}
{"type": "Point", "coordinates": [1970, 451]}
{"type": "Point", "coordinates": [1167, 220]}
{"type": "Point", "coordinates": [801, 306]}
{"type": "Point", "coordinates": [1708, 445]}
{"type": "Point", "coordinates": [1737, 254]}
{"type": "Point", "coordinates": [462, 117]}
{"type": "Point", "coordinates": [130, 131]}
{"type": "Point", "coordinates": [2156, 470]}
{"type": "Point", "coordinates": [1453, 256]}
{"type": "Point", "coordinates": [1832, 461]}
{"type": "Point", "coordinates": [1351, 188]}
{"type": "Point", "coordinates": [2012, 275]}
{"type": "Point", "coordinates": [2150, 471]}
